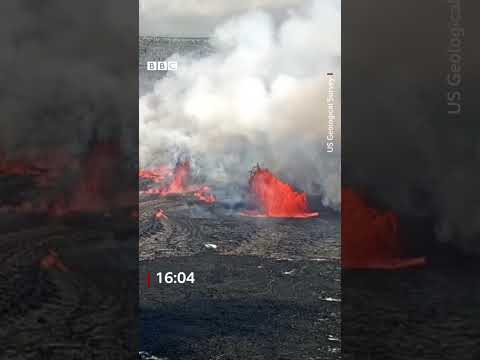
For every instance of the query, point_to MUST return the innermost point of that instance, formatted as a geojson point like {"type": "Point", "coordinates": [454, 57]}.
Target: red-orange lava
{"type": "Point", "coordinates": [180, 182]}
{"type": "Point", "coordinates": [275, 198]}
{"type": "Point", "coordinates": [370, 238]}
{"type": "Point", "coordinates": [204, 194]}
{"type": "Point", "coordinates": [72, 183]}
{"type": "Point", "coordinates": [160, 214]}
{"type": "Point", "coordinates": [157, 174]}
{"type": "Point", "coordinates": [52, 261]}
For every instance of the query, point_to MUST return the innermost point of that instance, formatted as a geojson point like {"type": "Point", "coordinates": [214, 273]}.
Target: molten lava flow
{"type": "Point", "coordinates": [45, 168]}
{"type": "Point", "coordinates": [179, 184]}
{"type": "Point", "coordinates": [370, 238]}
{"type": "Point", "coordinates": [19, 167]}
{"type": "Point", "coordinates": [204, 194]}
{"type": "Point", "coordinates": [157, 175]}
{"type": "Point", "coordinates": [34, 171]}
{"type": "Point", "coordinates": [161, 215]}
{"type": "Point", "coordinates": [52, 261]}
{"type": "Point", "coordinates": [276, 198]}
{"type": "Point", "coordinates": [69, 183]}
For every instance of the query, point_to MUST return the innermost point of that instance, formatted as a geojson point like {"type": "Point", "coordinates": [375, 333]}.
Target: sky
{"type": "Point", "coordinates": [198, 18]}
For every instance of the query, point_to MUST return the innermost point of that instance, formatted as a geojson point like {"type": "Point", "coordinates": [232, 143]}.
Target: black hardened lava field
{"type": "Point", "coordinates": [59, 299]}
{"type": "Point", "coordinates": [427, 313]}
{"type": "Point", "coordinates": [264, 288]}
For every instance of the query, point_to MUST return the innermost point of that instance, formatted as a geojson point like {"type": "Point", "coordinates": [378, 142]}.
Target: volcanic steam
{"type": "Point", "coordinates": [252, 98]}
{"type": "Point", "coordinates": [49, 130]}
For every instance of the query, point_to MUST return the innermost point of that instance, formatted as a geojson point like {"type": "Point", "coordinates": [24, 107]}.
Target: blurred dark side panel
{"type": "Point", "coordinates": [68, 179]}
{"type": "Point", "coordinates": [411, 149]}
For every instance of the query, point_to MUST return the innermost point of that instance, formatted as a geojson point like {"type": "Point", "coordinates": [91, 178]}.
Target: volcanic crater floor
{"type": "Point", "coordinates": [82, 313]}
{"type": "Point", "coordinates": [264, 288]}
{"type": "Point", "coordinates": [419, 313]}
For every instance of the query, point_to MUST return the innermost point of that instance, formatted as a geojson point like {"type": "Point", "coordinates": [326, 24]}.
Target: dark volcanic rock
{"type": "Point", "coordinates": [265, 288]}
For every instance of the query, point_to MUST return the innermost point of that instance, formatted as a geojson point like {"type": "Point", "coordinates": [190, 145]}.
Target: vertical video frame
{"type": "Point", "coordinates": [239, 181]}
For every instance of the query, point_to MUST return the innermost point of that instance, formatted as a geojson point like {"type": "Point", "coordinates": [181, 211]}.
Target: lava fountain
{"type": "Point", "coordinates": [181, 179]}
{"type": "Point", "coordinates": [275, 198]}
{"type": "Point", "coordinates": [93, 192]}
{"type": "Point", "coordinates": [370, 238]}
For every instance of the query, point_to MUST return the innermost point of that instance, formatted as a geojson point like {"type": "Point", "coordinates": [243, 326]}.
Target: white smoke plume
{"type": "Point", "coordinates": [260, 97]}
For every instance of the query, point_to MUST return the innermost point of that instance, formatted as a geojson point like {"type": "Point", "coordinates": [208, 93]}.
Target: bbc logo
{"type": "Point", "coordinates": [162, 65]}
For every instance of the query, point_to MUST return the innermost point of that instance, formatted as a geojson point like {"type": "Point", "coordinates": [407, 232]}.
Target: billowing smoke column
{"type": "Point", "coordinates": [75, 77]}
{"type": "Point", "coordinates": [371, 239]}
{"type": "Point", "coordinates": [48, 128]}
{"type": "Point", "coordinates": [275, 198]}
{"type": "Point", "coordinates": [260, 96]}
{"type": "Point", "coordinates": [401, 146]}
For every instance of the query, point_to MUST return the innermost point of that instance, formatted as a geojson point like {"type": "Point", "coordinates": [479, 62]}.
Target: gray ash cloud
{"type": "Point", "coordinates": [64, 76]}
{"type": "Point", "coordinates": [400, 144]}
